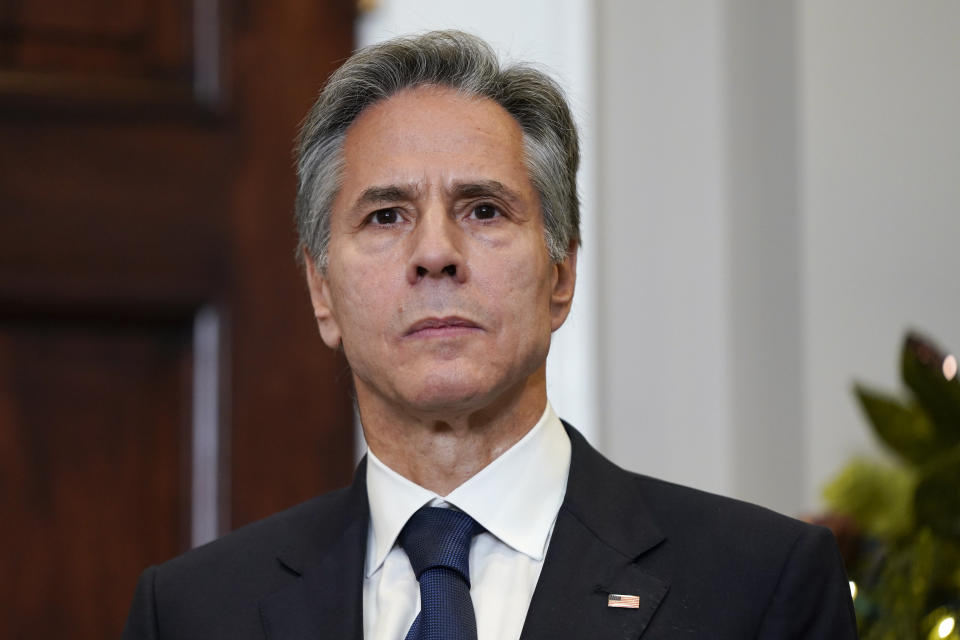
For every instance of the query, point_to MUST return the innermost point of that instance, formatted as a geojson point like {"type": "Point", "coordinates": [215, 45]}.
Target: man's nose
{"type": "Point", "coordinates": [437, 250]}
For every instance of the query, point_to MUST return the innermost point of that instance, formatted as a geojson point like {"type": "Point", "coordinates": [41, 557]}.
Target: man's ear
{"type": "Point", "coordinates": [322, 303]}
{"type": "Point", "coordinates": [565, 279]}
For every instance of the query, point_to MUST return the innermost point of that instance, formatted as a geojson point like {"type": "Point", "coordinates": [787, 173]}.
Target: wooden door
{"type": "Point", "coordinates": [161, 377]}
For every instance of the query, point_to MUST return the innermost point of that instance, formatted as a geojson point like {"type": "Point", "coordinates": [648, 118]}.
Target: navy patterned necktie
{"type": "Point", "coordinates": [437, 541]}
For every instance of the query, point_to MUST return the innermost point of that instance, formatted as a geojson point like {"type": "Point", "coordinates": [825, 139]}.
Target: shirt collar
{"type": "Point", "coordinates": [516, 497]}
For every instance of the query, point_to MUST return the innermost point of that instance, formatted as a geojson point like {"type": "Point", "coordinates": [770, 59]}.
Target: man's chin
{"type": "Point", "coordinates": [452, 400]}
{"type": "Point", "coordinates": [449, 400]}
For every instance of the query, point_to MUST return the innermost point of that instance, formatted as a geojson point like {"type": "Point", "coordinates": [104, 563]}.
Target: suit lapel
{"type": "Point", "coordinates": [601, 532]}
{"type": "Point", "coordinates": [326, 599]}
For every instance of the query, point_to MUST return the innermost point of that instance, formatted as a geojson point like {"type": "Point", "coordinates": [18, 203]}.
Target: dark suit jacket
{"type": "Point", "coordinates": [703, 567]}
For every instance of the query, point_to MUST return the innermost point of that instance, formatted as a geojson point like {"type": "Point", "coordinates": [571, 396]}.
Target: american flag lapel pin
{"type": "Point", "coordinates": [621, 601]}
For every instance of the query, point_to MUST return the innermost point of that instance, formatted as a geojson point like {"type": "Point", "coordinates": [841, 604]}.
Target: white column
{"type": "Point", "coordinates": [665, 392]}
{"type": "Point", "coordinates": [765, 303]}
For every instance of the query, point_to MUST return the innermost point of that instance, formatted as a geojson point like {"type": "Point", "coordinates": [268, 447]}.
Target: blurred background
{"type": "Point", "coordinates": [771, 200]}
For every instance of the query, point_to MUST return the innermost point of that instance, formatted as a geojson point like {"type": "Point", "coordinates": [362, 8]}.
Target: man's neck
{"type": "Point", "coordinates": [441, 450]}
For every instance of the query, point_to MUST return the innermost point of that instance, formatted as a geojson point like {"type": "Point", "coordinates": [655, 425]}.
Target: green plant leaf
{"type": "Point", "coordinates": [877, 496]}
{"type": "Point", "coordinates": [921, 365]}
{"type": "Point", "coordinates": [937, 496]}
{"type": "Point", "coordinates": [904, 428]}
{"type": "Point", "coordinates": [908, 569]}
{"type": "Point", "coordinates": [900, 595]}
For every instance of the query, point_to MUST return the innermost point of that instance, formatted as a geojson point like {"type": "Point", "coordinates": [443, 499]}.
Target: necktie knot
{"type": "Point", "coordinates": [435, 537]}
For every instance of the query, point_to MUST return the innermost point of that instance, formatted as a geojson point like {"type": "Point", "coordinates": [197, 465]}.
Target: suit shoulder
{"type": "Point", "coordinates": [750, 539]}
{"type": "Point", "coordinates": [680, 505]}
{"type": "Point", "coordinates": [600, 491]}
{"type": "Point", "coordinates": [213, 591]}
{"type": "Point", "coordinates": [258, 543]}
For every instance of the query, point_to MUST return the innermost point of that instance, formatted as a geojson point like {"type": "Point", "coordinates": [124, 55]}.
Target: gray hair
{"type": "Point", "coordinates": [449, 59]}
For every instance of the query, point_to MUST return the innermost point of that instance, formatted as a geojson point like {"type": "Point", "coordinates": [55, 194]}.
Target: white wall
{"type": "Point", "coordinates": [880, 122]}
{"type": "Point", "coordinates": [780, 200]}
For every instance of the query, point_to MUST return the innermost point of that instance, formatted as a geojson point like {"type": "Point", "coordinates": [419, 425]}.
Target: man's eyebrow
{"type": "Point", "coordinates": [405, 193]}
{"type": "Point", "coordinates": [387, 193]}
{"type": "Point", "coordinates": [482, 188]}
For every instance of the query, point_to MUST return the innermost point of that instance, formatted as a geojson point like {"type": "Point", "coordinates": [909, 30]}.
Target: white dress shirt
{"type": "Point", "coordinates": [516, 498]}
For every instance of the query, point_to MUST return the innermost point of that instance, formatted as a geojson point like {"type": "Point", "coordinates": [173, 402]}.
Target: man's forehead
{"type": "Point", "coordinates": [433, 139]}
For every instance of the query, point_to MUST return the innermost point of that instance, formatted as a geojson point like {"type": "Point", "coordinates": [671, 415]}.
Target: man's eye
{"type": "Point", "coordinates": [485, 212]}
{"type": "Point", "coordinates": [385, 216]}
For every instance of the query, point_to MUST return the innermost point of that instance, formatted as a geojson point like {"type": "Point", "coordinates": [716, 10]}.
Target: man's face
{"type": "Point", "coordinates": [438, 281]}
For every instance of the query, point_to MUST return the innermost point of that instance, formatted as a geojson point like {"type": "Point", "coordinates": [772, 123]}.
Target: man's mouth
{"type": "Point", "coordinates": [441, 327]}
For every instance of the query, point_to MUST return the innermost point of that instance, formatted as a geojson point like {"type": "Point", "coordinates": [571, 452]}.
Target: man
{"type": "Point", "coordinates": [438, 218]}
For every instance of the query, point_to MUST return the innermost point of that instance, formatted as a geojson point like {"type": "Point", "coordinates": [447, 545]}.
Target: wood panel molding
{"type": "Point", "coordinates": [151, 57]}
